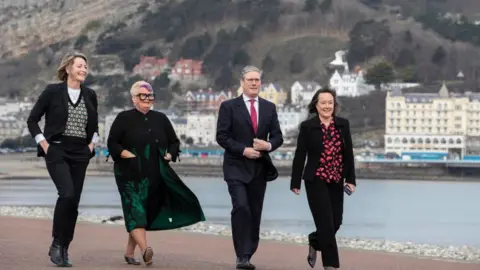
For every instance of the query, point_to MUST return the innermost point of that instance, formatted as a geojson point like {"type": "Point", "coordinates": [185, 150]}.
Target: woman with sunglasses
{"type": "Point", "coordinates": [142, 142]}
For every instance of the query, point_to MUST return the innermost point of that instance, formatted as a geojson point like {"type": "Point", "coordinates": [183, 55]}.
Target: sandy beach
{"type": "Point", "coordinates": [25, 243]}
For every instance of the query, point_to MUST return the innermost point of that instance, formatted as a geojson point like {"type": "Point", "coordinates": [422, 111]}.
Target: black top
{"type": "Point", "coordinates": [53, 103]}
{"type": "Point", "coordinates": [310, 143]}
{"type": "Point", "coordinates": [134, 130]}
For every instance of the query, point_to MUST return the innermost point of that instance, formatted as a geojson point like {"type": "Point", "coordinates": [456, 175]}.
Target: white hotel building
{"type": "Point", "coordinates": [443, 122]}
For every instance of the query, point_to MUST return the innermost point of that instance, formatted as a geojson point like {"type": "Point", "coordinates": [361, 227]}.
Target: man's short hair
{"type": "Point", "coordinates": [247, 69]}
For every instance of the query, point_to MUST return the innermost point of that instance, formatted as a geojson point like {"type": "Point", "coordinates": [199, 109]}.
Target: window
{"type": "Point", "coordinates": [459, 141]}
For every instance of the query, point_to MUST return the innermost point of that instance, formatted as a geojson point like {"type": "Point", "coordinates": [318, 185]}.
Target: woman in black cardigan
{"type": "Point", "coordinates": [326, 140]}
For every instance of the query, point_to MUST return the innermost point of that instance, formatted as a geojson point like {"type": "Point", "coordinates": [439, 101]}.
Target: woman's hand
{"type": "Point", "coordinates": [127, 154]}
{"type": "Point", "coordinates": [296, 191]}
{"type": "Point", "coordinates": [44, 144]}
{"type": "Point", "coordinates": [350, 186]}
{"type": "Point", "coordinates": [90, 146]}
{"type": "Point", "coordinates": [167, 157]}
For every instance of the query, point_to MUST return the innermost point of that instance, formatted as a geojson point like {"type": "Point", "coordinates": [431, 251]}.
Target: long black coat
{"type": "Point", "coordinates": [153, 196]}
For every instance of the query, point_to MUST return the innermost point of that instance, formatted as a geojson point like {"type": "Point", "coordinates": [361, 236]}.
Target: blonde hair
{"type": "Point", "coordinates": [67, 61]}
{"type": "Point", "coordinates": [139, 84]}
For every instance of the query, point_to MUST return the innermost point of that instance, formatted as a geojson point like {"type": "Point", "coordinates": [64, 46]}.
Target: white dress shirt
{"type": "Point", "coordinates": [74, 94]}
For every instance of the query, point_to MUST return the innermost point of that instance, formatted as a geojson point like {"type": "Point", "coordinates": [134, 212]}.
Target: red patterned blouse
{"type": "Point", "coordinates": [331, 161]}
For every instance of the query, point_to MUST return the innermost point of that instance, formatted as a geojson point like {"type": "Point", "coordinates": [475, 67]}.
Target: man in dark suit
{"type": "Point", "coordinates": [248, 129]}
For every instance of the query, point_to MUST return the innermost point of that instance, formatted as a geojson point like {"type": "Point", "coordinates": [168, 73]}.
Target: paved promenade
{"type": "Point", "coordinates": [24, 244]}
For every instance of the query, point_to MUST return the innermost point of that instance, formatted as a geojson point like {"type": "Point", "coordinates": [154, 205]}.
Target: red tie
{"type": "Point", "coordinates": [253, 115]}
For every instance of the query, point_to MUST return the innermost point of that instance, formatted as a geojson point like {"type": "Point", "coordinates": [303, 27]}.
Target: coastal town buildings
{"type": "Point", "coordinates": [441, 124]}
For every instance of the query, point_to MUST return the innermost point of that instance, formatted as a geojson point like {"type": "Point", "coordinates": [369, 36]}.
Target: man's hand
{"type": "Point", "coordinates": [261, 145]}
{"type": "Point", "coordinates": [296, 191]}
{"type": "Point", "coordinates": [251, 153]}
{"type": "Point", "coordinates": [167, 157]}
{"type": "Point", "coordinates": [44, 144]}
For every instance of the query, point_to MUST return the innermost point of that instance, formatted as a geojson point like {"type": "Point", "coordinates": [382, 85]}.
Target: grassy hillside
{"type": "Point", "coordinates": [316, 52]}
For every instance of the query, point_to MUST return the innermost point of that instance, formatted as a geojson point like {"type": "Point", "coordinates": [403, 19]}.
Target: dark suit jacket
{"type": "Point", "coordinates": [310, 143]}
{"type": "Point", "coordinates": [235, 133]}
{"type": "Point", "coordinates": [53, 103]}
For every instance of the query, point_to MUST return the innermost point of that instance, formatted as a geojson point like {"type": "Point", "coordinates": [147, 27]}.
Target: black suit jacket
{"type": "Point", "coordinates": [53, 103]}
{"type": "Point", "coordinates": [310, 143]}
{"type": "Point", "coordinates": [235, 133]}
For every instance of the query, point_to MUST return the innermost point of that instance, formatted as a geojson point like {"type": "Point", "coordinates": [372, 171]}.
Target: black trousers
{"type": "Point", "coordinates": [67, 165]}
{"type": "Point", "coordinates": [246, 215]}
{"type": "Point", "coordinates": [326, 204]}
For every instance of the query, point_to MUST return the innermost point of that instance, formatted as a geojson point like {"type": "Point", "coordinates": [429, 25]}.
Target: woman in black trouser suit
{"type": "Point", "coordinates": [327, 142]}
{"type": "Point", "coordinates": [67, 143]}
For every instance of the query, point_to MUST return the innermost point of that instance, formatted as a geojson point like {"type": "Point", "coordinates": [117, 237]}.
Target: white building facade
{"type": "Point", "coordinates": [443, 123]}
{"type": "Point", "coordinates": [301, 93]}
{"type": "Point", "coordinates": [350, 84]}
{"type": "Point", "coordinates": [290, 117]}
{"type": "Point", "coordinates": [202, 128]}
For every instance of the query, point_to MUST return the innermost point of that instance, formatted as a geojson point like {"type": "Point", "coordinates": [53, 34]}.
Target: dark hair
{"type": "Point", "coordinates": [312, 107]}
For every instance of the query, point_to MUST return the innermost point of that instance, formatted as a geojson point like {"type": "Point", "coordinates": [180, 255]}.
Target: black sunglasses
{"type": "Point", "coordinates": [145, 96]}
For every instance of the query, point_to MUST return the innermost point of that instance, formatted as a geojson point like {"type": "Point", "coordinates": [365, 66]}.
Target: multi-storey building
{"type": "Point", "coordinates": [443, 123]}
{"type": "Point", "coordinates": [290, 117]}
{"type": "Point", "coordinates": [150, 67]}
{"type": "Point", "coordinates": [271, 92]}
{"type": "Point", "coordinates": [187, 70]}
{"type": "Point", "coordinates": [201, 100]}
{"type": "Point", "coordinates": [180, 126]}
{"type": "Point", "coordinates": [301, 93]}
{"type": "Point", "coordinates": [12, 128]}
{"type": "Point", "coordinates": [202, 128]}
{"type": "Point", "coordinates": [350, 84]}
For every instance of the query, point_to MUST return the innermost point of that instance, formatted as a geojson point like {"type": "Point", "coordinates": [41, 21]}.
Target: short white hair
{"type": "Point", "coordinates": [139, 84]}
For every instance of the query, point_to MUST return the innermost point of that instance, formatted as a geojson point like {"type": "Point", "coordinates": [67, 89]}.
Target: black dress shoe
{"type": "Point", "coordinates": [244, 263]}
{"type": "Point", "coordinates": [66, 260]}
{"type": "Point", "coordinates": [131, 261]}
{"type": "Point", "coordinates": [251, 265]}
{"type": "Point", "coordinates": [56, 254]}
{"type": "Point", "coordinates": [312, 256]}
